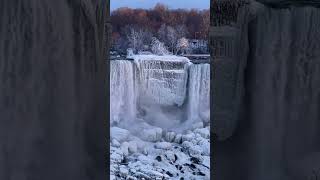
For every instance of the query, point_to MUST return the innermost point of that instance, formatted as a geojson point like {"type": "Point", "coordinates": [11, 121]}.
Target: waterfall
{"type": "Point", "coordinates": [122, 91]}
{"type": "Point", "coordinates": [162, 82]}
{"type": "Point", "coordinates": [199, 93]}
{"type": "Point", "coordinates": [164, 91]}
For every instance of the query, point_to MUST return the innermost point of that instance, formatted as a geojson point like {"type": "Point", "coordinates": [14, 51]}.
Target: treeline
{"type": "Point", "coordinates": [191, 24]}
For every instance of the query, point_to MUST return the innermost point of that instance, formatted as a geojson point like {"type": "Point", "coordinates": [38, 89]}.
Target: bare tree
{"type": "Point", "coordinates": [133, 38]}
{"type": "Point", "coordinates": [182, 45]}
{"type": "Point", "coordinates": [172, 38]}
{"type": "Point", "coordinates": [138, 38]}
{"type": "Point", "coordinates": [182, 31]}
{"type": "Point", "coordinates": [169, 36]}
{"type": "Point", "coordinates": [158, 47]}
{"type": "Point", "coordinates": [162, 33]}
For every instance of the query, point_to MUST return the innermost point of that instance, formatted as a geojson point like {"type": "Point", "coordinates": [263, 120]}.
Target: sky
{"type": "Point", "coordinates": [173, 4]}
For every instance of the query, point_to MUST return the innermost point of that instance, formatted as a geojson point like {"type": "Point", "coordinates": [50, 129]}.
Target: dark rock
{"type": "Point", "coordinates": [195, 160]}
{"type": "Point", "coordinates": [175, 157]}
{"type": "Point", "coordinates": [169, 174]}
{"type": "Point", "coordinates": [158, 158]}
{"type": "Point", "coordinates": [201, 173]}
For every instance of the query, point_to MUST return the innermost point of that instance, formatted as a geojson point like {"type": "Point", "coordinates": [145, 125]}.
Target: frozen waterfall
{"type": "Point", "coordinates": [122, 92]}
{"type": "Point", "coordinates": [199, 93]}
{"type": "Point", "coordinates": [164, 91]}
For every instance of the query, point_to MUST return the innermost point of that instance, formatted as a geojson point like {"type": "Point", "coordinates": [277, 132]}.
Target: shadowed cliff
{"type": "Point", "coordinates": [52, 90]}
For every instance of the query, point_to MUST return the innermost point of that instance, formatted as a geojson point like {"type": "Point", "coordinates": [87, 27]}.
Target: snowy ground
{"type": "Point", "coordinates": [166, 155]}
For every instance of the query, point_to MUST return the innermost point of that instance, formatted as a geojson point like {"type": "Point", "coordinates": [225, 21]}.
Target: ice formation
{"type": "Point", "coordinates": [159, 113]}
{"type": "Point", "coordinates": [199, 93]}
{"type": "Point", "coordinates": [122, 93]}
{"type": "Point", "coordinates": [164, 89]}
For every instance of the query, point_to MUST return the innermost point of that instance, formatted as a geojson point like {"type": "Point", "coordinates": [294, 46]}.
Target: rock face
{"type": "Point", "coordinates": [52, 90]}
{"type": "Point", "coordinates": [270, 127]}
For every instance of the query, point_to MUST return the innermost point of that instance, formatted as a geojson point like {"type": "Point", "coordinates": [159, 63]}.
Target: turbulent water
{"type": "Point", "coordinates": [163, 92]}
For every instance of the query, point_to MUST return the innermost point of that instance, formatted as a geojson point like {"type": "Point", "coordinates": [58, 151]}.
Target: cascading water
{"type": "Point", "coordinates": [122, 92]}
{"type": "Point", "coordinates": [199, 93]}
{"type": "Point", "coordinates": [165, 92]}
{"type": "Point", "coordinates": [162, 82]}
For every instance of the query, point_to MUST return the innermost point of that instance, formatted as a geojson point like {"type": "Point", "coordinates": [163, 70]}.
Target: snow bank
{"type": "Point", "coordinates": [170, 58]}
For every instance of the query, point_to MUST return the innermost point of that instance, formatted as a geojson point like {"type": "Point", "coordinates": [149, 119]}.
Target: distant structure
{"type": "Point", "coordinates": [198, 44]}
{"type": "Point", "coordinates": [130, 53]}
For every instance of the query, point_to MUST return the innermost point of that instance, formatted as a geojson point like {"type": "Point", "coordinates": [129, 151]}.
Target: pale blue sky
{"type": "Point", "coordinates": [173, 4]}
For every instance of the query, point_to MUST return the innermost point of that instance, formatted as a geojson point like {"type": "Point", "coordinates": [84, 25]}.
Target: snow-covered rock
{"type": "Point", "coordinates": [204, 132]}
{"type": "Point", "coordinates": [125, 148]}
{"type": "Point", "coordinates": [123, 171]}
{"type": "Point", "coordinates": [178, 138]}
{"type": "Point", "coordinates": [188, 137]}
{"type": "Point", "coordinates": [132, 147]}
{"type": "Point", "coordinates": [165, 160]}
{"type": "Point", "coordinates": [170, 136]}
{"type": "Point", "coordinates": [163, 145]}
{"type": "Point", "coordinates": [115, 143]}
{"type": "Point", "coordinates": [119, 134]}
{"type": "Point", "coordinates": [151, 135]}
